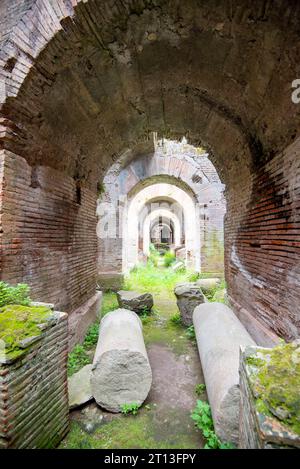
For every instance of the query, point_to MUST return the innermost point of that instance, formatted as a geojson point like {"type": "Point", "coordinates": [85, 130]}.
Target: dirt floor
{"type": "Point", "coordinates": [164, 420]}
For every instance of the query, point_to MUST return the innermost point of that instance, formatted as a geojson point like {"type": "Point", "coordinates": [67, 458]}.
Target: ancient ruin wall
{"type": "Point", "coordinates": [262, 249]}
{"type": "Point", "coordinates": [233, 93]}
{"type": "Point", "coordinates": [34, 408]}
{"type": "Point", "coordinates": [269, 404]}
{"type": "Point", "coordinates": [49, 234]}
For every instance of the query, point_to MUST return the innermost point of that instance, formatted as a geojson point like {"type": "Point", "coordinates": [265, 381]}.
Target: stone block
{"type": "Point", "coordinates": [189, 295]}
{"type": "Point", "coordinates": [79, 386]}
{"type": "Point", "coordinates": [110, 281]}
{"type": "Point", "coordinates": [270, 390]}
{"type": "Point", "coordinates": [137, 302]}
{"type": "Point", "coordinates": [34, 411]}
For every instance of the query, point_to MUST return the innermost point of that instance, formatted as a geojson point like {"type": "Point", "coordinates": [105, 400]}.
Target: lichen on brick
{"type": "Point", "coordinates": [275, 380]}
{"type": "Point", "coordinates": [18, 323]}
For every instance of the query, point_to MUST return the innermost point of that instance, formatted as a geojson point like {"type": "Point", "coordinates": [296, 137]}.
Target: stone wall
{"type": "Point", "coordinates": [49, 233]}
{"type": "Point", "coordinates": [34, 410]}
{"type": "Point", "coordinates": [260, 425]}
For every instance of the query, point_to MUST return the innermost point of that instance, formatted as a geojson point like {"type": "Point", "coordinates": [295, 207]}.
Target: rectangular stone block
{"type": "Point", "coordinates": [34, 410]}
{"type": "Point", "coordinates": [270, 389]}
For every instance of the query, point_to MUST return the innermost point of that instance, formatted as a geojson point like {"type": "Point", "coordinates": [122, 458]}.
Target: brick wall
{"type": "Point", "coordinates": [34, 409]}
{"type": "Point", "coordinates": [49, 234]}
{"type": "Point", "coordinates": [263, 246]}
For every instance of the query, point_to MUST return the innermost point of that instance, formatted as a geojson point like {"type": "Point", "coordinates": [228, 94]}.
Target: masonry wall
{"type": "Point", "coordinates": [259, 430]}
{"type": "Point", "coordinates": [263, 249]}
{"type": "Point", "coordinates": [49, 234]}
{"type": "Point", "coordinates": [34, 409]}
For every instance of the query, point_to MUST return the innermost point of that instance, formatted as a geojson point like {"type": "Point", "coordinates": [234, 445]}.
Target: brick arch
{"type": "Point", "coordinates": [167, 217]}
{"type": "Point", "coordinates": [83, 80]}
{"type": "Point", "coordinates": [177, 164]}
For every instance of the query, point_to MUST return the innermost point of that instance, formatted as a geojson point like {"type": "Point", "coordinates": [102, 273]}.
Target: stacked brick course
{"type": "Point", "coordinates": [34, 409]}
{"type": "Point", "coordinates": [263, 247]}
{"type": "Point", "coordinates": [49, 235]}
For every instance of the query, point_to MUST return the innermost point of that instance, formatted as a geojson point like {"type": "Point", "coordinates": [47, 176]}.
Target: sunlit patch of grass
{"type": "Point", "coordinates": [109, 303]}
{"type": "Point", "coordinates": [154, 279]}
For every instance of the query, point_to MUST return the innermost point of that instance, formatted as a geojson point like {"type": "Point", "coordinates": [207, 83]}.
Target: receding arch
{"type": "Point", "coordinates": [191, 220]}
{"type": "Point", "coordinates": [164, 213]}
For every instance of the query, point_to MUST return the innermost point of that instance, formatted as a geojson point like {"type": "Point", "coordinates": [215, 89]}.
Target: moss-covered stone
{"type": "Point", "coordinates": [275, 378]}
{"type": "Point", "coordinates": [18, 323]}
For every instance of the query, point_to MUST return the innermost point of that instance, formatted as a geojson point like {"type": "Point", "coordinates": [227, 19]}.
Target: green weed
{"type": "Point", "coordinates": [200, 389]}
{"type": "Point", "coordinates": [132, 408]}
{"type": "Point", "coordinates": [77, 359]}
{"type": "Point", "coordinates": [14, 295]}
{"type": "Point", "coordinates": [202, 417]}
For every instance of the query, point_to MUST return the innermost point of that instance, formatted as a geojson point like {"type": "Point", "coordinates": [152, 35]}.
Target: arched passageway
{"type": "Point", "coordinates": [181, 204]}
{"type": "Point", "coordinates": [161, 218]}
{"type": "Point", "coordinates": [177, 164]}
{"type": "Point", "coordinates": [82, 82]}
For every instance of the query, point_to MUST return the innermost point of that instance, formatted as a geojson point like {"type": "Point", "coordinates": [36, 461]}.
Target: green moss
{"type": "Point", "coordinates": [142, 431]}
{"type": "Point", "coordinates": [109, 303]}
{"type": "Point", "coordinates": [18, 323]}
{"type": "Point", "coordinates": [276, 383]}
{"type": "Point", "coordinates": [254, 361]}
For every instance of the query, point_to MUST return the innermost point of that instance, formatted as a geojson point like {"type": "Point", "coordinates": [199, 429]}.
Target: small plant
{"type": "Point", "coordinates": [154, 256]}
{"type": "Point", "coordinates": [190, 333]}
{"type": "Point", "coordinates": [169, 258]}
{"type": "Point", "coordinates": [77, 359]}
{"type": "Point", "coordinates": [202, 417]}
{"type": "Point", "coordinates": [132, 408]}
{"type": "Point", "coordinates": [91, 337]}
{"type": "Point", "coordinates": [200, 389]}
{"type": "Point", "coordinates": [194, 276]}
{"type": "Point", "coordinates": [176, 319]}
{"type": "Point", "coordinates": [10, 295]}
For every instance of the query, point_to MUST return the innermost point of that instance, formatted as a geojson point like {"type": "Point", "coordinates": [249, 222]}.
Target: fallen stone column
{"type": "Point", "coordinates": [219, 337]}
{"type": "Point", "coordinates": [121, 372]}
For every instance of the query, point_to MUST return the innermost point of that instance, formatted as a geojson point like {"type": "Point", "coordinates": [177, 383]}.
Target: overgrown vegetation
{"type": "Point", "coordinates": [142, 431]}
{"type": "Point", "coordinates": [132, 408]}
{"type": "Point", "coordinates": [109, 303]}
{"type": "Point", "coordinates": [77, 359]}
{"type": "Point", "coordinates": [217, 293]}
{"type": "Point", "coordinates": [190, 333]}
{"type": "Point", "coordinates": [169, 258]}
{"type": "Point", "coordinates": [79, 356]}
{"type": "Point", "coordinates": [14, 295]}
{"type": "Point", "coordinates": [176, 319]}
{"type": "Point", "coordinates": [154, 256]}
{"type": "Point", "coordinates": [202, 417]}
{"type": "Point", "coordinates": [148, 278]}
